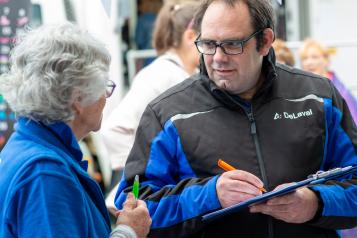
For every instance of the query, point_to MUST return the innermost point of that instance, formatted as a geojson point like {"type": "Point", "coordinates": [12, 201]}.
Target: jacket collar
{"type": "Point", "coordinates": [57, 136]}
{"type": "Point", "coordinates": [223, 96]}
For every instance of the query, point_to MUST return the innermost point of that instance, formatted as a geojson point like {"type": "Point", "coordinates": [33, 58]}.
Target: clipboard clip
{"type": "Point", "coordinates": [323, 174]}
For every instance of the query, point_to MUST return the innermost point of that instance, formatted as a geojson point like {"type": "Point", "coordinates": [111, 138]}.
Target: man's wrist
{"type": "Point", "coordinates": [320, 206]}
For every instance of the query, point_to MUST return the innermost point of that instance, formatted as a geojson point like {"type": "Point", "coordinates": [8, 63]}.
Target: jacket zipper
{"type": "Point", "coordinates": [253, 131]}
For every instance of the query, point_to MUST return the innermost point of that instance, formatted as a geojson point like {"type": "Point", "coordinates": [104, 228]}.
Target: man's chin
{"type": "Point", "coordinates": [222, 83]}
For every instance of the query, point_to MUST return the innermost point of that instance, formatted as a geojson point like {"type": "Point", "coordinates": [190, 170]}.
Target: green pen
{"type": "Point", "coordinates": [136, 187]}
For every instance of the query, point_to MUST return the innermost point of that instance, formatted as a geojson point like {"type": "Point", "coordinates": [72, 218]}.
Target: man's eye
{"type": "Point", "coordinates": [233, 44]}
{"type": "Point", "coordinates": [209, 44]}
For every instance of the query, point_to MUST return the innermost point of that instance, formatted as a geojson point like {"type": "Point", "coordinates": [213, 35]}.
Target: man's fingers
{"type": "Point", "coordinates": [269, 210]}
{"type": "Point", "coordinates": [246, 177]}
{"type": "Point", "coordinates": [243, 187]}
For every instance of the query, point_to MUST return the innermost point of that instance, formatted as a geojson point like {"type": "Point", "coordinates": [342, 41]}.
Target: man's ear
{"type": "Point", "coordinates": [188, 37]}
{"type": "Point", "coordinates": [268, 39]}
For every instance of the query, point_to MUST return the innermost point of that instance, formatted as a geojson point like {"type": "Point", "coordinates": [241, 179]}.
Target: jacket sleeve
{"type": "Point", "coordinates": [175, 196]}
{"type": "Point", "coordinates": [338, 197]}
{"type": "Point", "coordinates": [119, 129]}
{"type": "Point", "coordinates": [123, 231]}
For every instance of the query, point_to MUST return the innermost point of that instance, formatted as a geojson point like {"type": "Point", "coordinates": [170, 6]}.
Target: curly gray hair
{"type": "Point", "coordinates": [50, 68]}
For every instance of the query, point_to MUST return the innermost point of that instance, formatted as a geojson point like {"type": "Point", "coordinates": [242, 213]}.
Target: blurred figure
{"type": "Point", "coordinates": [57, 86]}
{"type": "Point", "coordinates": [282, 53]}
{"type": "Point", "coordinates": [145, 24]}
{"type": "Point", "coordinates": [173, 40]}
{"type": "Point", "coordinates": [148, 10]}
{"type": "Point", "coordinates": [315, 58]}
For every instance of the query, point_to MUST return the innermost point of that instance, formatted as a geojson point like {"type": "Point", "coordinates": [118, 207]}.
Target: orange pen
{"type": "Point", "coordinates": [227, 167]}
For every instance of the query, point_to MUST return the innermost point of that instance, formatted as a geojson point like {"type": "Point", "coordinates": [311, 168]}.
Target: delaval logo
{"type": "Point", "coordinates": [294, 115]}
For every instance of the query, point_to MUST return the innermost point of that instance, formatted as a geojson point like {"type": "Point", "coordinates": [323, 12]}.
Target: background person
{"type": "Point", "coordinates": [57, 87]}
{"type": "Point", "coordinates": [282, 53]}
{"type": "Point", "coordinates": [173, 39]}
{"type": "Point", "coordinates": [227, 112]}
{"type": "Point", "coordinates": [315, 58]}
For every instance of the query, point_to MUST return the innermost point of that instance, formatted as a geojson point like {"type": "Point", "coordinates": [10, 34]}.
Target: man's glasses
{"type": "Point", "coordinates": [229, 47]}
{"type": "Point", "coordinates": [110, 88]}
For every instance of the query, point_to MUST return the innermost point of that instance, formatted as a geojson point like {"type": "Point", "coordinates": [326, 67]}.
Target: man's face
{"type": "Point", "coordinates": [237, 74]}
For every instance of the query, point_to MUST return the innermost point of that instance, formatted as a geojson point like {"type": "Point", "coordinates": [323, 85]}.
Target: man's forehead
{"type": "Point", "coordinates": [224, 21]}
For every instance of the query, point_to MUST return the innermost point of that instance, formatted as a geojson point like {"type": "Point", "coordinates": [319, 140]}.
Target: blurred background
{"type": "Point", "coordinates": [126, 27]}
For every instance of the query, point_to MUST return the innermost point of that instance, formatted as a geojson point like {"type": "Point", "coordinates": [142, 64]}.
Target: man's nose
{"type": "Point", "coordinates": [220, 56]}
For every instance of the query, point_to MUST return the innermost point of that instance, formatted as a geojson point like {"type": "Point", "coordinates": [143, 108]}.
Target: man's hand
{"type": "Point", "coordinates": [297, 207]}
{"type": "Point", "coordinates": [236, 186]}
{"type": "Point", "coordinates": [136, 215]}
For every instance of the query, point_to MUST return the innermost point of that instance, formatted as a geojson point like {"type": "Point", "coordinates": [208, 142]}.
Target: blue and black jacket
{"type": "Point", "coordinates": [297, 124]}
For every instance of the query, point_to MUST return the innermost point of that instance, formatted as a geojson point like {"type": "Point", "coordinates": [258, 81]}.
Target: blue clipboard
{"type": "Point", "coordinates": [318, 178]}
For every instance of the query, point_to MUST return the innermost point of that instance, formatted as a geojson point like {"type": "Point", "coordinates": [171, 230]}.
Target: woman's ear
{"type": "Point", "coordinates": [77, 107]}
{"type": "Point", "coordinates": [268, 39]}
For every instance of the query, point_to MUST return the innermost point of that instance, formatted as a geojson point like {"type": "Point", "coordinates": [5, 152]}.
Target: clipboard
{"type": "Point", "coordinates": [319, 178]}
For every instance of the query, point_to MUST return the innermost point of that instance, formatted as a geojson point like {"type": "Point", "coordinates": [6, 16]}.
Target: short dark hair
{"type": "Point", "coordinates": [261, 12]}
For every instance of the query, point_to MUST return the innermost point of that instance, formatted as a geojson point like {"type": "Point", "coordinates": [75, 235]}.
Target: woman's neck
{"type": "Point", "coordinates": [185, 59]}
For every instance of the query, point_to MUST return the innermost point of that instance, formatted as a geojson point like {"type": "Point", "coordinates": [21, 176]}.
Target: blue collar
{"type": "Point", "coordinates": [58, 134]}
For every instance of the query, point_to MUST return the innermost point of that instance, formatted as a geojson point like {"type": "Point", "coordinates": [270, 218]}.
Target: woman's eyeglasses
{"type": "Point", "coordinates": [110, 88]}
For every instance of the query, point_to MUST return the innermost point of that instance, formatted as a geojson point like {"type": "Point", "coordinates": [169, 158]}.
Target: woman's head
{"type": "Point", "coordinates": [54, 68]}
{"type": "Point", "coordinates": [314, 57]}
{"type": "Point", "coordinates": [174, 19]}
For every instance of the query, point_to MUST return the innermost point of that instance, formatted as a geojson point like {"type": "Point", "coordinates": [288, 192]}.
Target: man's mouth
{"type": "Point", "coordinates": [223, 71]}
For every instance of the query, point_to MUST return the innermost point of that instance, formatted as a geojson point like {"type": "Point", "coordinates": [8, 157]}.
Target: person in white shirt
{"type": "Point", "coordinates": [173, 39]}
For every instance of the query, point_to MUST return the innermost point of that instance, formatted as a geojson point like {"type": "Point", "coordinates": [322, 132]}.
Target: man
{"type": "Point", "coordinates": [275, 124]}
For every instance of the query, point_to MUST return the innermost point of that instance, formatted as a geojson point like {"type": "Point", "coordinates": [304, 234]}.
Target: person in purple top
{"type": "Point", "coordinates": [315, 58]}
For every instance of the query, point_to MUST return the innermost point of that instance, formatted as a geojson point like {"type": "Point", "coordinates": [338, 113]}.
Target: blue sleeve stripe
{"type": "Point", "coordinates": [167, 160]}
{"type": "Point", "coordinates": [174, 209]}
{"type": "Point", "coordinates": [339, 149]}
{"type": "Point", "coordinates": [338, 201]}
{"type": "Point", "coordinates": [328, 116]}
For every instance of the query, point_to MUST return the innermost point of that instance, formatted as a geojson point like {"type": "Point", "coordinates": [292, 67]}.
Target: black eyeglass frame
{"type": "Point", "coordinates": [110, 86]}
{"type": "Point", "coordinates": [221, 44]}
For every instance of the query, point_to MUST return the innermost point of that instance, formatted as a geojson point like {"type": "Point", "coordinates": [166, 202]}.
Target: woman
{"type": "Point", "coordinates": [173, 39]}
{"type": "Point", "coordinates": [57, 87]}
{"type": "Point", "coordinates": [316, 58]}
